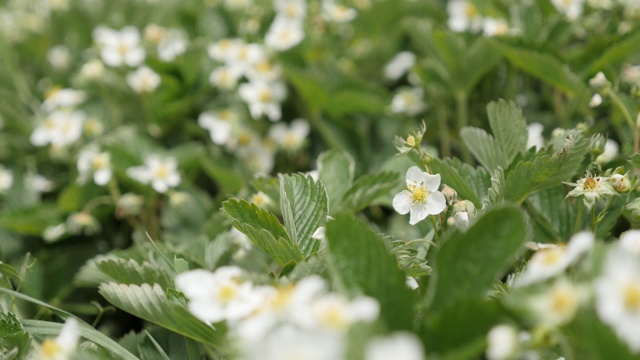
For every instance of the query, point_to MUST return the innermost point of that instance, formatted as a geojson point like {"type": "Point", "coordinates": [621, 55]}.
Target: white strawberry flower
{"type": "Point", "coordinates": [120, 47]}
{"type": "Point", "coordinates": [399, 65]}
{"type": "Point", "coordinates": [398, 345]}
{"type": "Point", "coordinates": [284, 34]}
{"type": "Point", "coordinates": [6, 179]}
{"type": "Point", "coordinates": [63, 98]}
{"type": "Point", "coordinates": [92, 162]}
{"type": "Point", "coordinates": [421, 198]}
{"type": "Point", "coordinates": [144, 80]}
{"type": "Point", "coordinates": [463, 16]}
{"type": "Point", "coordinates": [161, 173]}
{"type": "Point", "coordinates": [225, 77]}
{"type": "Point", "coordinates": [408, 101]}
{"type": "Point", "coordinates": [60, 128]}
{"type": "Point", "coordinates": [219, 123]}
{"type": "Point", "coordinates": [570, 8]}
{"type": "Point", "coordinates": [291, 9]}
{"type": "Point", "coordinates": [63, 346]}
{"type": "Point", "coordinates": [337, 12]}
{"type": "Point", "coordinates": [263, 98]}
{"type": "Point", "coordinates": [292, 137]}
{"type": "Point", "coordinates": [630, 241]}
{"type": "Point", "coordinates": [593, 188]}
{"type": "Point", "coordinates": [223, 50]}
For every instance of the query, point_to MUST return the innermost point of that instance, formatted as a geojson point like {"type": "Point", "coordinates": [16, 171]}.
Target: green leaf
{"type": "Point", "coordinates": [547, 169]}
{"type": "Point", "coordinates": [543, 66]}
{"type": "Point", "coordinates": [467, 264]}
{"type": "Point", "coordinates": [634, 160]}
{"type": "Point", "coordinates": [13, 338]}
{"type": "Point", "coordinates": [263, 229]}
{"type": "Point", "coordinates": [152, 304]}
{"type": "Point", "coordinates": [30, 221]}
{"type": "Point", "coordinates": [346, 102]}
{"type": "Point", "coordinates": [9, 271]}
{"type": "Point", "coordinates": [161, 352]}
{"type": "Point", "coordinates": [365, 264]}
{"type": "Point", "coordinates": [131, 272]}
{"type": "Point", "coordinates": [336, 171]}
{"type": "Point", "coordinates": [619, 51]}
{"type": "Point", "coordinates": [304, 206]}
{"type": "Point", "coordinates": [480, 58]}
{"type": "Point", "coordinates": [509, 128]}
{"type": "Point", "coordinates": [484, 148]}
{"type": "Point", "coordinates": [228, 179]}
{"type": "Point", "coordinates": [553, 213]}
{"type": "Point", "coordinates": [181, 265]}
{"type": "Point", "coordinates": [466, 180]}
{"type": "Point", "coordinates": [46, 328]}
{"type": "Point", "coordinates": [595, 340]}
{"type": "Point", "coordinates": [367, 188]}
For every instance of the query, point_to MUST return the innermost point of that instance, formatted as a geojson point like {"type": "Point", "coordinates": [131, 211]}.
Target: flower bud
{"type": "Point", "coordinates": [129, 204]}
{"type": "Point", "coordinates": [620, 183]}
{"type": "Point", "coordinates": [599, 81]}
{"type": "Point", "coordinates": [596, 147]}
{"type": "Point", "coordinates": [450, 194]}
{"type": "Point", "coordinates": [465, 206]}
{"type": "Point", "coordinates": [261, 200]}
{"type": "Point", "coordinates": [411, 141]}
{"type": "Point", "coordinates": [595, 101]}
{"type": "Point", "coordinates": [632, 212]}
{"type": "Point", "coordinates": [82, 223]}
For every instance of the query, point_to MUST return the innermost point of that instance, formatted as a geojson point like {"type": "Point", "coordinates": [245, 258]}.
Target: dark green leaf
{"type": "Point", "coordinates": [367, 188]}
{"type": "Point", "coordinates": [336, 171]}
{"type": "Point", "coordinates": [131, 272]}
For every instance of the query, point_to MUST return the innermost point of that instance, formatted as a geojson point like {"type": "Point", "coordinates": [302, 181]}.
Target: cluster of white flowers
{"type": "Point", "coordinates": [464, 16]}
{"type": "Point", "coordinates": [170, 43]}
{"type": "Point", "coordinates": [161, 173]}
{"type": "Point", "coordinates": [287, 28]}
{"type": "Point", "coordinates": [62, 124]}
{"type": "Point", "coordinates": [335, 12]}
{"type": "Point", "coordinates": [93, 162]}
{"type": "Point", "coordinates": [292, 137]}
{"type": "Point", "coordinates": [302, 320]}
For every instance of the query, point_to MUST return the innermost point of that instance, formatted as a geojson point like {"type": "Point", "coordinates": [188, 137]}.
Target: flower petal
{"type": "Point", "coordinates": [432, 182]}
{"type": "Point", "coordinates": [402, 202]}
{"type": "Point", "coordinates": [418, 213]}
{"type": "Point", "coordinates": [436, 203]}
{"type": "Point", "coordinates": [414, 174]}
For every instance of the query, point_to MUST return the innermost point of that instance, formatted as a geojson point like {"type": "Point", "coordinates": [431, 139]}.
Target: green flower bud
{"type": "Point", "coordinates": [596, 147]}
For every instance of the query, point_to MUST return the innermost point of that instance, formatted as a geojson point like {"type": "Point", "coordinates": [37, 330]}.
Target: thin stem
{"type": "Point", "coordinates": [461, 121]}
{"type": "Point", "coordinates": [436, 237]}
{"type": "Point", "coordinates": [443, 127]}
{"type": "Point", "coordinates": [594, 222]}
{"type": "Point", "coordinates": [576, 227]}
{"type": "Point", "coordinates": [627, 116]}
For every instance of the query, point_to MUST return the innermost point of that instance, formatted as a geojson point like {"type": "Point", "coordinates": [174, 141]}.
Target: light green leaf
{"type": "Point", "coordinates": [346, 102]}
{"type": "Point", "coordinates": [152, 304]}
{"type": "Point", "coordinates": [304, 206]}
{"type": "Point", "coordinates": [619, 51]}
{"type": "Point", "coordinates": [484, 148]}
{"type": "Point", "coordinates": [336, 171]}
{"type": "Point", "coordinates": [13, 338]}
{"type": "Point", "coordinates": [468, 182]}
{"type": "Point", "coordinates": [365, 264]}
{"type": "Point", "coordinates": [131, 272]}
{"type": "Point", "coordinates": [509, 128]}
{"type": "Point", "coordinates": [181, 265]}
{"type": "Point", "coordinates": [163, 354]}
{"type": "Point", "coordinates": [547, 169]}
{"type": "Point", "coordinates": [263, 229]}
{"type": "Point", "coordinates": [30, 221]}
{"type": "Point", "coordinates": [9, 272]}
{"type": "Point", "coordinates": [367, 188]}
{"type": "Point", "coordinates": [480, 58]}
{"type": "Point", "coordinates": [468, 264]}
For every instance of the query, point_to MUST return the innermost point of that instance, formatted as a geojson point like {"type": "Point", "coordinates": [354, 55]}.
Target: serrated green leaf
{"type": "Point", "coordinates": [367, 188]}
{"type": "Point", "coordinates": [13, 338]}
{"type": "Point", "coordinates": [467, 264]}
{"type": "Point", "coordinates": [365, 264]}
{"type": "Point", "coordinates": [336, 170]}
{"type": "Point", "coordinates": [131, 272]}
{"type": "Point", "coordinates": [554, 213]}
{"type": "Point", "coordinates": [509, 128]}
{"type": "Point", "coordinates": [543, 66]}
{"type": "Point", "coordinates": [151, 304]}
{"type": "Point", "coordinates": [469, 183]}
{"type": "Point", "coordinates": [484, 148]}
{"type": "Point", "coordinates": [263, 229]}
{"type": "Point", "coordinates": [494, 193]}
{"type": "Point", "coordinates": [547, 169]}
{"type": "Point", "coordinates": [480, 58]}
{"type": "Point", "coordinates": [304, 206]}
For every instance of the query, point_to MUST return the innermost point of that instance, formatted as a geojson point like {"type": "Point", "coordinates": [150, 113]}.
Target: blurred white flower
{"type": "Point", "coordinates": [284, 34]}
{"type": "Point", "coordinates": [335, 313]}
{"type": "Point", "coordinates": [245, 56]}
{"type": "Point", "coordinates": [558, 305]}
{"type": "Point", "coordinates": [503, 343]}
{"type": "Point", "coordinates": [225, 77]}
{"type": "Point", "coordinates": [292, 137]}
{"type": "Point", "coordinates": [553, 260]}
{"type": "Point", "coordinates": [119, 47]}
{"type": "Point", "coordinates": [570, 8]}
{"type": "Point", "coordinates": [60, 128]}
{"type": "Point", "coordinates": [82, 223]}
{"type": "Point", "coordinates": [337, 12]}
{"type": "Point", "coordinates": [221, 295]}
{"type": "Point", "coordinates": [59, 57]}
{"type": "Point", "coordinates": [595, 101]}
{"type": "Point", "coordinates": [408, 101]}
{"type": "Point", "coordinates": [263, 98]}
{"type": "Point", "coordinates": [219, 123]}
{"type": "Point", "coordinates": [631, 74]}
{"type": "Point", "coordinates": [63, 346]}
{"type": "Point", "coordinates": [421, 198]}
{"type": "Point", "coordinates": [599, 81]}
{"type": "Point", "coordinates": [288, 342]}
{"type": "Point", "coordinates": [6, 179]}
{"type": "Point", "coordinates": [224, 49]}
{"type": "Point", "coordinates": [399, 65]}
{"type": "Point", "coordinates": [265, 70]}
{"type": "Point", "coordinates": [291, 9]}
{"type": "Point", "coordinates": [398, 345]}
{"type": "Point", "coordinates": [411, 283]}
{"type": "Point", "coordinates": [611, 150]}
{"type": "Point", "coordinates": [40, 183]}
{"type": "Point", "coordinates": [63, 99]}
{"type": "Point", "coordinates": [172, 45]}
{"type": "Point", "coordinates": [463, 16]}
{"type": "Point", "coordinates": [261, 200]}
{"type": "Point", "coordinates": [161, 173]}
{"type": "Point", "coordinates": [600, 4]}
{"type": "Point", "coordinates": [92, 70]}
{"type": "Point", "coordinates": [495, 27]}
{"type": "Point", "coordinates": [535, 137]}
{"type": "Point", "coordinates": [630, 241]}
{"type": "Point", "coordinates": [54, 233]}
{"type": "Point", "coordinates": [143, 80]}
{"type": "Point", "coordinates": [92, 162]}
{"type": "Point", "coordinates": [618, 296]}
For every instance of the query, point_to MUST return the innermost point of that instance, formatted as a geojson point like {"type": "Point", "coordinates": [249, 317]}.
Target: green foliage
{"type": "Point", "coordinates": [130, 272]}
{"type": "Point", "coordinates": [152, 304]}
{"type": "Point", "coordinates": [15, 342]}
{"type": "Point", "coordinates": [467, 263]}
{"type": "Point", "coordinates": [366, 189]}
{"type": "Point", "coordinates": [30, 221]}
{"type": "Point", "coordinates": [364, 264]}
{"type": "Point", "coordinates": [336, 170]}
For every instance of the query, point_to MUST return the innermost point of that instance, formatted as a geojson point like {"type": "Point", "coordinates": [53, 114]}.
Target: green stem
{"type": "Point", "coordinates": [627, 116]}
{"type": "Point", "coordinates": [594, 222]}
{"type": "Point", "coordinates": [576, 227]}
{"type": "Point", "coordinates": [462, 114]}
{"type": "Point", "coordinates": [436, 237]}
{"type": "Point", "coordinates": [443, 127]}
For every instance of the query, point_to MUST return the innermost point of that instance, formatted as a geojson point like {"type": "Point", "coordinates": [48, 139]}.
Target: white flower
{"type": "Point", "coordinates": [398, 345]}
{"type": "Point", "coordinates": [54, 233]}
{"type": "Point", "coordinates": [494, 27]}
{"type": "Point", "coordinates": [535, 137]}
{"type": "Point", "coordinates": [221, 295]}
{"type": "Point", "coordinates": [63, 98]}
{"type": "Point", "coordinates": [172, 45]}
{"type": "Point", "coordinates": [595, 101]}
{"type": "Point", "coordinates": [335, 313]}
{"type": "Point", "coordinates": [264, 70]}
{"type": "Point", "coordinates": [290, 138]}
{"type": "Point", "coordinates": [161, 173]}
{"type": "Point", "coordinates": [261, 200]}
{"type": "Point", "coordinates": [408, 101]}
{"type": "Point", "coordinates": [631, 74]}
{"type": "Point", "coordinates": [63, 346]}
{"type": "Point", "coordinates": [558, 305]}
{"type": "Point", "coordinates": [411, 283]}
{"type": "Point", "coordinates": [599, 81]}
{"type": "Point", "coordinates": [143, 80]}
{"type": "Point", "coordinates": [503, 342]}
{"type": "Point", "coordinates": [630, 241]}
{"type": "Point", "coordinates": [422, 197]}
{"type": "Point", "coordinates": [225, 77]}
{"type": "Point", "coordinates": [224, 49]}
{"type": "Point", "coordinates": [550, 261]}
{"type": "Point", "coordinates": [336, 12]}
{"type": "Point", "coordinates": [600, 4]}
{"type": "Point", "coordinates": [91, 70]}
{"type": "Point", "coordinates": [6, 179]}
{"type": "Point", "coordinates": [120, 47]}
{"type": "Point", "coordinates": [59, 129]}
{"type": "Point", "coordinates": [284, 34]}
{"type": "Point", "coordinates": [263, 98]}
{"type": "Point", "coordinates": [90, 161]}
{"type": "Point", "coordinates": [399, 65]}
{"type": "Point", "coordinates": [290, 343]}
{"type": "Point", "coordinates": [40, 183]}
{"type": "Point", "coordinates": [570, 8]}
{"type": "Point", "coordinates": [220, 124]}
{"type": "Point", "coordinates": [593, 188]}
{"type": "Point", "coordinates": [463, 16]}
{"type": "Point", "coordinates": [245, 56]}
{"type": "Point", "coordinates": [291, 9]}
{"type": "Point", "coordinates": [618, 296]}
{"type": "Point", "coordinates": [611, 150]}
{"type": "Point", "coordinates": [59, 57]}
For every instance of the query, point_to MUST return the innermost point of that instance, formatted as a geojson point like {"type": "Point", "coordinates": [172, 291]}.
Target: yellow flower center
{"type": "Point", "coordinates": [632, 296]}
{"type": "Point", "coordinates": [122, 49]}
{"type": "Point", "coordinates": [419, 195]}
{"type": "Point", "coordinates": [49, 123]}
{"type": "Point", "coordinates": [98, 162]}
{"type": "Point", "coordinates": [244, 139]}
{"type": "Point", "coordinates": [471, 11]}
{"type": "Point", "coordinates": [563, 301]}
{"type": "Point", "coordinates": [162, 172]}
{"type": "Point", "coordinates": [263, 67]}
{"type": "Point", "coordinates": [333, 318]}
{"type": "Point", "coordinates": [225, 115]}
{"type": "Point", "coordinates": [411, 141]}
{"type": "Point", "coordinates": [549, 256]}
{"type": "Point", "coordinates": [290, 10]}
{"type": "Point", "coordinates": [50, 348]}
{"type": "Point", "coordinates": [227, 293]}
{"type": "Point", "coordinates": [265, 95]}
{"type": "Point", "coordinates": [282, 300]}
{"type": "Point", "coordinates": [590, 183]}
